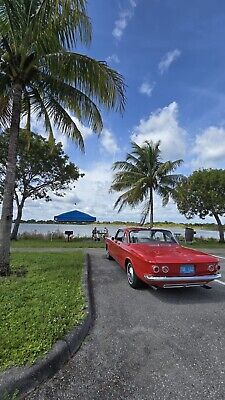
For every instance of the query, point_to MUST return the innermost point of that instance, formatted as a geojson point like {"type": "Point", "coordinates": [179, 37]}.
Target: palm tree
{"type": "Point", "coordinates": [41, 75]}
{"type": "Point", "coordinates": [142, 174]}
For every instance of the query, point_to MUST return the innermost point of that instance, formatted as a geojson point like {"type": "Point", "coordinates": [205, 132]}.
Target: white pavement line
{"type": "Point", "coordinates": [221, 282]}
{"type": "Point", "coordinates": [217, 256]}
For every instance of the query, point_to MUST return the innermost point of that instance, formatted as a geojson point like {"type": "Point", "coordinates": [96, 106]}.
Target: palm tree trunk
{"type": "Point", "coordinates": [151, 211]}
{"type": "Point", "coordinates": [7, 205]}
{"type": "Point", "coordinates": [17, 221]}
{"type": "Point", "coordinates": [220, 227]}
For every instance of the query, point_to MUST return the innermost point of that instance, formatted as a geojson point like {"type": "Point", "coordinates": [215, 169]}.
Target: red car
{"type": "Point", "coordinates": [155, 257]}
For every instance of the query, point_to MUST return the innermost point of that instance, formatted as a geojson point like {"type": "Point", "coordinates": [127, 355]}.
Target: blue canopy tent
{"type": "Point", "coordinates": [74, 216]}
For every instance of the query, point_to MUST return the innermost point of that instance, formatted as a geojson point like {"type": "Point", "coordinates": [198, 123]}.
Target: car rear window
{"type": "Point", "coordinates": [151, 236]}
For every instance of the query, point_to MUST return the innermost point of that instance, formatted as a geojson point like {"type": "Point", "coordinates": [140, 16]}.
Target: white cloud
{"type": "Point", "coordinates": [108, 141]}
{"type": "Point", "coordinates": [146, 88]}
{"type": "Point", "coordinates": [168, 59]}
{"type": "Point", "coordinates": [163, 125]}
{"type": "Point", "coordinates": [121, 23]}
{"type": "Point", "coordinates": [113, 59]}
{"type": "Point", "coordinates": [85, 130]}
{"type": "Point", "coordinates": [123, 19]}
{"type": "Point", "coordinates": [93, 189]}
{"type": "Point", "coordinates": [133, 3]}
{"type": "Point", "coordinates": [209, 148]}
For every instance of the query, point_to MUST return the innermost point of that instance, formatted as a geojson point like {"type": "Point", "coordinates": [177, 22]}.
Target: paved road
{"type": "Point", "coordinates": [146, 344]}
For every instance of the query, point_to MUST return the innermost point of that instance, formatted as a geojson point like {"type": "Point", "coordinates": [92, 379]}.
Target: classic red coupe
{"type": "Point", "coordinates": [155, 257]}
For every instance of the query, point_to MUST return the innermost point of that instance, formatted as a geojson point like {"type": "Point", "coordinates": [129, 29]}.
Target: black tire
{"type": "Point", "coordinates": [108, 256]}
{"type": "Point", "coordinates": [132, 278]}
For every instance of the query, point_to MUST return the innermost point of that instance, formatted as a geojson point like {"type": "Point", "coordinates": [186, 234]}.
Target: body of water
{"type": "Point", "coordinates": [86, 230]}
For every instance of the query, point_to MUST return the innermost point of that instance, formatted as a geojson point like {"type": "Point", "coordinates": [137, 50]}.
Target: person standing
{"type": "Point", "coordinates": [105, 232]}
{"type": "Point", "coordinates": [94, 233]}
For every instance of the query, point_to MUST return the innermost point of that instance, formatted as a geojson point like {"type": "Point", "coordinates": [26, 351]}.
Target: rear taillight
{"type": "Point", "coordinates": [213, 267]}
{"type": "Point", "coordinates": [165, 269]}
{"type": "Point", "coordinates": [155, 269]}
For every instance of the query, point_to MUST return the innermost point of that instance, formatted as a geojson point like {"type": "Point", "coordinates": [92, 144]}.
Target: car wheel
{"type": "Point", "coordinates": [132, 278]}
{"type": "Point", "coordinates": [108, 256]}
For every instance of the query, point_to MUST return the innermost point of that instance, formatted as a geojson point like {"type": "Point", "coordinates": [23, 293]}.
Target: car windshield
{"type": "Point", "coordinates": [151, 236]}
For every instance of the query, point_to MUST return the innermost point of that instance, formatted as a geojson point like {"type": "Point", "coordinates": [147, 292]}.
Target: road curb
{"type": "Point", "coordinates": [22, 380]}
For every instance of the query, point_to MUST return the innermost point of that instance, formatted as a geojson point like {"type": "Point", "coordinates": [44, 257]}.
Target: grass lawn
{"type": "Point", "coordinates": [40, 307]}
{"type": "Point", "coordinates": [38, 243]}
{"type": "Point", "coordinates": [204, 243]}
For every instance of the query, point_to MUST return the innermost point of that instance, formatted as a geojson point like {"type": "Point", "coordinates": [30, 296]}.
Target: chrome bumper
{"type": "Point", "coordinates": [185, 279]}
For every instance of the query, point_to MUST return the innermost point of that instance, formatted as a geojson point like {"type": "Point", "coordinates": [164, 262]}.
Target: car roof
{"type": "Point", "coordinates": [136, 228]}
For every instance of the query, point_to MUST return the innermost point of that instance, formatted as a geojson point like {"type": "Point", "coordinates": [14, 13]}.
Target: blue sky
{"type": "Point", "coordinates": [172, 56]}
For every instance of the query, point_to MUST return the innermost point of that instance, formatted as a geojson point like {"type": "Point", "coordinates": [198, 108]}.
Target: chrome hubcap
{"type": "Point", "coordinates": [130, 274]}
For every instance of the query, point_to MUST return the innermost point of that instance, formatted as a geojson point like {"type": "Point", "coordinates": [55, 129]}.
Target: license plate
{"type": "Point", "coordinates": [187, 269]}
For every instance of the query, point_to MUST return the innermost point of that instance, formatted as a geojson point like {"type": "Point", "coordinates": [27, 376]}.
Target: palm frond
{"type": "Point", "coordinates": [5, 84]}
{"type": "Point", "coordinates": [124, 166]}
{"type": "Point", "coordinates": [44, 22]}
{"type": "Point", "coordinates": [94, 78]}
{"type": "Point", "coordinates": [130, 197]}
{"type": "Point", "coordinates": [63, 121]}
{"type": "Point", "coordinates": [38, 106]}
{"type": "Point", "coordinates": [72, 99]}
{"type": "Point", "coordinates": [168, 167]}
{"type": "Point", "coordinates": [9, 21]}
{"type": "Point", "coordinates": [131, 158]}
{"type": "Point", "coordinates": [5, 112]}
{"type": "Point", "coordinates": [51, 109]}
{"type": "Point", "coordinates": [129, 178]}
{"type": "Point", "coordinates": [145, 212]}
{"type": "Point", "coordinates": [171, 179]}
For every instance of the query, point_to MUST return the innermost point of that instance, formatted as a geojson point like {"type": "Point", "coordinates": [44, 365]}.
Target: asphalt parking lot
{"type": "Point", "coordinates": [221, 255]}
{"type": "Point", "coordinates": [146, 344]}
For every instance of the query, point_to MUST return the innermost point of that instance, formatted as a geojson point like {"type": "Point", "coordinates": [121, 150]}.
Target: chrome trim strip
{"type": "Point", "coordinates": [200, 278]}
{"type": "Point", "coordinates": [184, 285]}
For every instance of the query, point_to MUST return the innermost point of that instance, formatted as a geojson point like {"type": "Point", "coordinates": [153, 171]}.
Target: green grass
{"type": "Point", "coordinates": [14, 396]}
{"type": "Point", "coordinates": [38, 243]}
{"type": "Point", "coordinates": [40, 307]}
{"type": "Point", "coordinates": [210, 243]}
{"type": "Point", "coordinates": [200, 243]}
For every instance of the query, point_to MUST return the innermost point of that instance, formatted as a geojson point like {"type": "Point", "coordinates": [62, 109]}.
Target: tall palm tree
{"type": "Point", "coordinates": [142, 174]}
{"type": "Point", "coordinates": [41, 75]}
